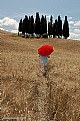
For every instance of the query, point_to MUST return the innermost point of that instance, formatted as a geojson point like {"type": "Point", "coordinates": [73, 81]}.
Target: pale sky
{"type": "Point", "coordinates": [11, 11]}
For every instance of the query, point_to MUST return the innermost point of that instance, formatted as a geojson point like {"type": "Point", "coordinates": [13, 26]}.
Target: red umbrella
{"type": "Point", "coordinates": [45, 50]}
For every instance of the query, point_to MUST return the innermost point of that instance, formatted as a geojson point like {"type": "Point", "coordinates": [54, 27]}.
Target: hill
{"type": "Point", "coordinates": [25, 93]}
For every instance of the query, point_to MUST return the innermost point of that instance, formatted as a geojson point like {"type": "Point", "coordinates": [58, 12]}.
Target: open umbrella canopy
{"type": "Point", "coordinates": [45, 50]}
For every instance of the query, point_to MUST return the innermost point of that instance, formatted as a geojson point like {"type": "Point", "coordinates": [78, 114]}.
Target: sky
{"type": "Point", "coordinates": [11, 11]}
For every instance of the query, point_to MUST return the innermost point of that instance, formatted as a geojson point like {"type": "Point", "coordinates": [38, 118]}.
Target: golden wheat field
{"type": "Point", "coordinates": [27, 95]}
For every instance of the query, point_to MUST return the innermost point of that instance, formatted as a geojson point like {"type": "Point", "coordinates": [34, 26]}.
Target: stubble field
{"type": "Point", "coordinates": [27, 95]}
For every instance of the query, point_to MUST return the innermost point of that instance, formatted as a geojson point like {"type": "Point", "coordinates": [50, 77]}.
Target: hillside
{"type": "Point", "coordinates": [27, 95]}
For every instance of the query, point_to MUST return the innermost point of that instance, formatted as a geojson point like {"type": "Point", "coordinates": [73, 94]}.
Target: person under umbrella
{"type": "Point", "coordinates": [44, 53]}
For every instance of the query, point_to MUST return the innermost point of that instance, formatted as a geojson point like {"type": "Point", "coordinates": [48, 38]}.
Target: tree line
{"type": "Point", "coordinates": [38, 27]}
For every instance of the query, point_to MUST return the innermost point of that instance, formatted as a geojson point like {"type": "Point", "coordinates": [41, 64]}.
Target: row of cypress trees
{"type": "Point", "coordinates": [40, 27]}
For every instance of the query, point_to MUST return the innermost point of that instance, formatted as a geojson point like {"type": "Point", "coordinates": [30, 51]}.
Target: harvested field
{"type": "Point", "coordinates": [27, 95]}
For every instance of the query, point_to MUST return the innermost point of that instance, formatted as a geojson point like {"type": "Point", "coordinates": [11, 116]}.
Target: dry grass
{"type": "Point", "coordinates": [26, 95]}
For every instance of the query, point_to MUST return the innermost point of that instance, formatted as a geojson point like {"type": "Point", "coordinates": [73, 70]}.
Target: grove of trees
{"type": "Point", "coordinates": [40, 28]}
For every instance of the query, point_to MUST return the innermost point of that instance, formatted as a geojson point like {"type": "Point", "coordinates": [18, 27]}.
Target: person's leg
{"type": "Point", "coordinates": [45, 66]}
{"type": "Point", "coordinates": [42, 66]}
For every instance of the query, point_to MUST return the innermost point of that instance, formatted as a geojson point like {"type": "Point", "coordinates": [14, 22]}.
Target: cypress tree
{"type": "Point", "coordinates": [39, 27]}
{"type": "Point", "coordinates": [50, 26]}
{"type": "Point", "coordinates": [59, 27]}
{"type": "Point", "coordinates": [42, 25]}
{"type": "Point", "coordinates": [32, 24]}
{"type": "Point", "coordinates": [45, 25]}
{"type": "Point", "coordinates": [20, 26]}
{"type": "Point", "coordinates": [49, 29]}
{"type": "Point", "coordinates": [26, 24]}
{"type": "Point", "coordinates": [23, 27]}
{"type": "Point", "coordinates": [55, 29]}
{"type": "Point", "coordinates": [29, 23]}
{"type": "Point", "coordinates": [66, 28]}
{"type": "Point", "coordinates": [51, 20]}
{"type": "Point", "coordinates": [37, 24]}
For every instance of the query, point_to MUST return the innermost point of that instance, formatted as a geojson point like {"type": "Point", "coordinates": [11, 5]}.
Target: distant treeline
{"type": "Point", "coordinates": [38, 27]}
